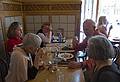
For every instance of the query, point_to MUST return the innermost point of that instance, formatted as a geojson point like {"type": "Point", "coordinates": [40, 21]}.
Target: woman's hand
{"type": "Point", "coordinates": [75, 42]}
{"type": "Point", "coordinates": [39, 58]}
{"type": "Point", "coordinates": [40, 53]}
{"type": "Point", "coordinates": [38, 63]}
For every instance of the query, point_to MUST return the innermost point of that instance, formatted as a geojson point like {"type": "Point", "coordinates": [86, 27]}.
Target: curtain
{"type": "Point", "coordinates": [89, 10]}
{"type": "Point", "coordinates": [111, 9]}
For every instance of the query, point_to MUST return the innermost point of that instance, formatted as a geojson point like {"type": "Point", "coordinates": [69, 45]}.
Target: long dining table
{"type": "Point", "coordinates": [62, 73]}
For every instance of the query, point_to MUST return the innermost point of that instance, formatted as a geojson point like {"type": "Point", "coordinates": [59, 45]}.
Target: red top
{"type": "Point", "coordinates": [88, 64]}
{"type": "Point", "coordinates": [81, 46]}
{"type": "Point", "coordinates": [12, 42]}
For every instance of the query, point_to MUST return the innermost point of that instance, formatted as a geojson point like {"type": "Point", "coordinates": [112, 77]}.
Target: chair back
{"type": "Point", "coordinates": [3, 69]}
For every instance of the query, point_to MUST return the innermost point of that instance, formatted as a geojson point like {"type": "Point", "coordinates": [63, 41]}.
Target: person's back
{"type": "Point", "coordinates": [101, 51]}
{"type": "Point", "coordinates": [21, 60]}
{"type": "Point", "coordinates": [18, 64]}
{"type": "Point", "coordinates": [112, 73]}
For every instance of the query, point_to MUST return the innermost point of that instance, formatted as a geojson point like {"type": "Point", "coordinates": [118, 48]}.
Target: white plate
{"type": "Point", "coordinates": [65, 56]}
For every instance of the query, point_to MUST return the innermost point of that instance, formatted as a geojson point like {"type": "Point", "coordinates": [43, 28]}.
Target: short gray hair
{"type": "Point", "coordinates": [32, 39]}
{"type": "Point", "coordinates": [100, 48]}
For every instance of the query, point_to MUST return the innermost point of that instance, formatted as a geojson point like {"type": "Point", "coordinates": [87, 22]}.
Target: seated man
{"type": "Point", "coordinates": [89, 30]}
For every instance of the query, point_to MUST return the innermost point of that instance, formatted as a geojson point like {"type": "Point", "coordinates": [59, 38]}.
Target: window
{"type": "Point", "coordinates": [88, 11]}
{"type": "Point", "coordinates": [111, 9]}
{"type": "Point", "coordinates": [108, 8]}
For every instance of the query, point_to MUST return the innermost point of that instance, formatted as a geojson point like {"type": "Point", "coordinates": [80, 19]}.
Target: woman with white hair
{"type": "Point", "coordinates": [21, 59]}
{"type": "Point", "coordinates": [101, 51]}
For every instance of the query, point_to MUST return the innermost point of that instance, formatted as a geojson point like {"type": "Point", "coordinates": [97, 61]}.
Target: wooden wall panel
{"type": "Point", "coordinates": [10, 7]}
{"type": "Point", "coordinates": [51, 10]}
{"type": "Point", "coordinates": [50, 7]}
{"type": "Point", "coordinates": [10, 11]}
{"type": "Point", "coordinates": [42, 8]}
{"type": "Point", "coordinates": [52, 1]}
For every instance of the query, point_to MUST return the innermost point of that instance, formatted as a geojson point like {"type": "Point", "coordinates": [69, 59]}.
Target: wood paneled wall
{"type": "Point", "coordinates": [9, 11]}
{"type": "Point", "coordinates": [10, 8]}
{"type": "Point", "coordinates": [40, 7]}
{"type": "Point", "coordinates": [48, 10]}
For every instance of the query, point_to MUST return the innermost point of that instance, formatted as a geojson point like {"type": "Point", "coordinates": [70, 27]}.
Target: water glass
{"type": "Point", "coordinates": [60, 76]}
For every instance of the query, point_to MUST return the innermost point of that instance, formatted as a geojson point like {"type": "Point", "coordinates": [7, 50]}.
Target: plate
{"type": "Point", "coordinates": [65, 56]}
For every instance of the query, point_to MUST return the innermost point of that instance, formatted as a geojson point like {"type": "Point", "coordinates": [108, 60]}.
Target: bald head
{"type": "Point", "coordinates": [89, 27]}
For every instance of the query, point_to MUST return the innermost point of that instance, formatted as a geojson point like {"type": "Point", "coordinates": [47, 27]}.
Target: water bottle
{"type": "Point", "coordinates": [59, 37]}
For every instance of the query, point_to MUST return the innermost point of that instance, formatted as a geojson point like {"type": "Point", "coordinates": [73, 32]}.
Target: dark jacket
{"type": "Point", "coordinates": [42, 44]}
{"type": "Point", "coordinates": [107, 74]}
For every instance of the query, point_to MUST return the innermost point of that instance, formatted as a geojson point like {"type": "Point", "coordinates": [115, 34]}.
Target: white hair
{"type": "Point", "coordinates": [32, 39]}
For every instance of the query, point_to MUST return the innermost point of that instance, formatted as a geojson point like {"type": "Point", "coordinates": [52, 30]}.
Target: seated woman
{"type": "Point", "coordinates": [22, 67]}
{"type": "Point", "coordinates": [45, 33]}
{"type": "Point", "coordinates": [14, 36]}
{"type": "Point", "coordinates": [102, 26]}
{"type": "Point", "coordinates": [101, 51]}
{"type": "Point", "coordinates": [102, 21]}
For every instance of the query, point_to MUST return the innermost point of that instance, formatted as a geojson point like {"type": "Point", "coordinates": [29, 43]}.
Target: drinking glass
{"type": "Point", "coordinates": [60, 76]}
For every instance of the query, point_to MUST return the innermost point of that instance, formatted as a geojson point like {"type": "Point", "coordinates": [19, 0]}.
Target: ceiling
{"type": "Point", "coordinates": [50, 1]}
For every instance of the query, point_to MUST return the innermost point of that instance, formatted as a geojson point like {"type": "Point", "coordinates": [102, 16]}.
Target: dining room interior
{"type": "Point", "coordinates": [66, 17]}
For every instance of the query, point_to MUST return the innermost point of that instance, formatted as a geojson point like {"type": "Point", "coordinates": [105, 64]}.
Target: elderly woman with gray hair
{"type": "Point", "coordinates": [21, 65]}
{"type": "Point", "coordinates": [101, 51]}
